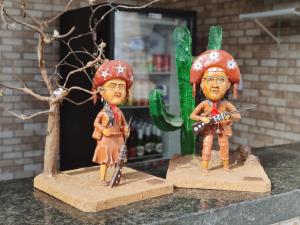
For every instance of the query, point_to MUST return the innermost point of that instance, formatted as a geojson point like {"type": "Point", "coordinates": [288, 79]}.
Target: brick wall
{"type": "Point", "coordinates": [271, 73]}
{"type": "Point", "coordinates": [270, 77]}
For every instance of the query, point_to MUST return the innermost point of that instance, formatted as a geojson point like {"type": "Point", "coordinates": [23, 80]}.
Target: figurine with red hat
{"type": "Point", "coordinates": [216, 72]}
{"type": "Point", "coordinates": [112, 80]}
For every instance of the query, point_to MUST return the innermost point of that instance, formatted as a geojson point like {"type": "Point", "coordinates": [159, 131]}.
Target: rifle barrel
{"type": "Point", "coordinates": [241, 109]}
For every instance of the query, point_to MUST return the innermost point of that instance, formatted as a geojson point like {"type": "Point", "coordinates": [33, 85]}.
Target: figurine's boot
{"type": "Point", "coordinates": [205, 165]}
{"type": "Point", "coordinates": [224, 150]}
{"type": "Point", "coordinates": [103, 169]}
{"type": "Point", "coordinates": [226, 165]}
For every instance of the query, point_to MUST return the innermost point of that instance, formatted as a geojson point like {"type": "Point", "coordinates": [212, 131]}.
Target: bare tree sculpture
{"type": "Point", "coordinates": [58, 92]}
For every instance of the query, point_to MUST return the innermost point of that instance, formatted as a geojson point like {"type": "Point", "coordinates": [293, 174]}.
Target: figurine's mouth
{"type": "Point", "coordinates": [214, 90]}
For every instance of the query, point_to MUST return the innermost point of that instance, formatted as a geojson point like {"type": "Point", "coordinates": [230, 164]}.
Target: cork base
{"type": "Point", "coordinates": [82, 188]}
{"type": "Point", "coordinates": [186, 172]}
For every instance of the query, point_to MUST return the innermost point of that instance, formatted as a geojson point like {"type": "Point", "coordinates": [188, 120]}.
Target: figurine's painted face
{"type": "Point", "coordinates": [214, 85]}
{"type": "Point", "coordinates": [114, 91]}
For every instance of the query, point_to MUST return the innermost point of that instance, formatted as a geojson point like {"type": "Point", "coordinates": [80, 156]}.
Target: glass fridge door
{"type": "Point", "coordinates": [145, 41]}
{"type": "Point", "coordinates": [140, 37]}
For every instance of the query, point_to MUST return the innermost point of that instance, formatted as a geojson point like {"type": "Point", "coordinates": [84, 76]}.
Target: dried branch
{"type": "Point", "coordinates": [94, 10]}
{"type": "Point", "coordinates": [59, 14]}
{"type": "Point", "coordinates": [25, 13]}
{"type": "Point", "coordinates": [87, 52]}
{"type": "Point", "coordinates": [124, 7]}
{"type": "Point", "coordinates": [79, 103]}
{"type": "Point", "coordinates": [42, 64]}
{"type": "Point", "coordinates": [56, 35]}
{"type": "Point", "coordinates": [72, 51]}
{"type": "Point", "coordinates": [79, 89]}
{"type": "Point", "coordinates": [30, 26]}
{"type": "Point", "coordinates": [70, 65]}
{"type": "Point", "coordinates": [23, 116]}
{"type": "Point", "coordinates": [27, 91]}
{"type": "Point", "coordinates": [93, 29]}
{"type": "Point", "coordinates": [77, 37]}
{"type": "Point", "coordinates": [63, 61]}
{"type": "Point", "coordinates": [90, 64]}
{"type": "Point", "coordinates": [43, 37]}
{"type": "Point", "coordinates": [74, 54]}
{"type": "Point", "coordinates": [3, 17]}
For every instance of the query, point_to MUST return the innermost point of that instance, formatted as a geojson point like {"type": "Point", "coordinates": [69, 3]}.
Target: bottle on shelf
{"type": "Point", "coordinates": [166, 63]}
{"type": "Point", "coordinates": [161, 63]}
{"type": "Point", "coordinates": [149, 145]}
{"type": "Point", "coordinates": [132, 142]}
{"type": "Point", "coordinates": [144, 140]}
{"type": "Point", "coordinates": [158, 143]}
{"type": "Point", "coordinates": [140, 148]}
{"type": "Point", "coordinates": [140, 92]}
{"type": "Point", "coordinates": [149, 63]}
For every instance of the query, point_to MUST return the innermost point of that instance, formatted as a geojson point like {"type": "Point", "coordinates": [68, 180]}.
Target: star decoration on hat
{"type": "Point", "coordinates": [214, 56]}
{"type": "Point", "coordinates": [197, 66]}
{"type": "Point", "coordinates": [231, 64]}
{"type": "Point", "coordinates": [104, 74]}
{"type": "Point", "coordinates": [120, 69]}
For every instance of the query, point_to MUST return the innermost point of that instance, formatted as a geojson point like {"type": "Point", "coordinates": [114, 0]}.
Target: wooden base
{"type": "Point", "coordinates": [186, 172]}
{"type": "Point", "coordinates": [82, 189]}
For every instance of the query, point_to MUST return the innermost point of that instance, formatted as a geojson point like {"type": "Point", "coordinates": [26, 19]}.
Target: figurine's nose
{"type": "Point", "coordinates": [214, 83]}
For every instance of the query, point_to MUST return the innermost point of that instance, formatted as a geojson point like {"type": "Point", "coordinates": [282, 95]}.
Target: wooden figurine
{"type": "Point", "coordinates": [113, 79]}
{"type": "Point", "coordinates": [216, 71]}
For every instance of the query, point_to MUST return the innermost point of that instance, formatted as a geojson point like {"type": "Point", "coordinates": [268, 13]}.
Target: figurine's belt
{"type": "Point", "coordinates": [118, 134]}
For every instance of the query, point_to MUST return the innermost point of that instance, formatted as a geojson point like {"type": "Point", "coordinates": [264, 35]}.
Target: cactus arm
{"type": "Point", "coordinates": [160, 117]}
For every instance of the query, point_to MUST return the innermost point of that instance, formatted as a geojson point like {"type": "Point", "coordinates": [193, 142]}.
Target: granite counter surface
{"type": "Point", "coordinates": [20, 203]}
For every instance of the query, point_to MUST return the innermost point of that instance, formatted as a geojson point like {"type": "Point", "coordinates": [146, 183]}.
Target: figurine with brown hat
{"type": "Point", "coordinates": [112, 80]}
{"type": "Point", "coordinates": [216, 72]}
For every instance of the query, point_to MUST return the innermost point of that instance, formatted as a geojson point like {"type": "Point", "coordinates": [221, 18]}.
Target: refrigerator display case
{"type": "Point", "coordinates": [144, 39]}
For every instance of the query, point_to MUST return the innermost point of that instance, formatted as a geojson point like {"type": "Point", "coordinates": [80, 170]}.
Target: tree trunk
{"type": "Point", "coordinates": [52, 141]}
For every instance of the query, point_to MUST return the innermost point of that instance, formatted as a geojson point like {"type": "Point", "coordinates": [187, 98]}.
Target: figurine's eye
{"type": "Point", "coordinates": [220, 80]}
{"type": "Point", "coordinates": [122, 87]}
{"type": "Point", "coordinates": [209, 79]}
{"type": "Point", "coordinates": [111, 87]}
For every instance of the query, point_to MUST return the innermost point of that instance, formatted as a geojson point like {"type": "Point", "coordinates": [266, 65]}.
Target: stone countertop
{"type": "Point", "coordinates": [20, 203]}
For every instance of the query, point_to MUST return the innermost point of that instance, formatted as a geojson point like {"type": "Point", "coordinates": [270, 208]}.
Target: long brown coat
{"type": "Point", "coordinates": [108, 147]}
{"type": "Point", "coordinates": [204, 109]}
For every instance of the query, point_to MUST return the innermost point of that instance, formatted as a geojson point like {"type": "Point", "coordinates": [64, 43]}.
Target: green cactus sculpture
{"type": "Point", "coordinates": [161, 118]}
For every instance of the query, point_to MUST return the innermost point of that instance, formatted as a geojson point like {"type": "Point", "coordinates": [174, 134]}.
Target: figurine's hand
{"type": "Point", "coordinates": [227, 116]}
{"type": "Point", "coordinates": [127, 131]}
{"type": "Point", "coordinates": [106, 132]}
{"type": "Point", "coordinates": [204, 119]}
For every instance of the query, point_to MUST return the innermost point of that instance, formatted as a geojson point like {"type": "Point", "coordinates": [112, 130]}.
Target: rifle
{"type": "Point", "coordinates": [199, 126]}
{"type": "Point", "coordinates": [116, 178]}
